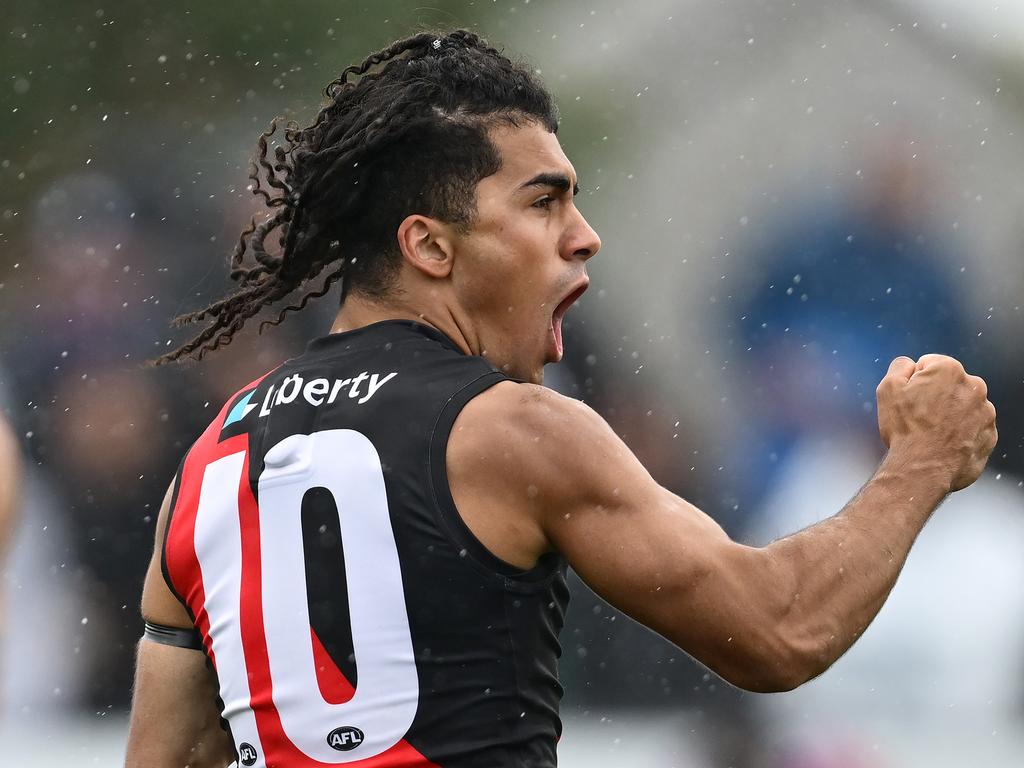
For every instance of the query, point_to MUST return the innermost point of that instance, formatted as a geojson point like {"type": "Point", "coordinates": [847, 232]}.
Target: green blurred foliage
{"type": "Point", "coordinates": [84, 80]}
{"type": "Point", "coordinates": [150, 56]}
{"type": "Point", "coordinates": [94, 85]}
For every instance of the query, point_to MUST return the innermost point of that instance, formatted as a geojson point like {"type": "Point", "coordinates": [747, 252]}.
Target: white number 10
{"type": "Point", "coordinates": [386, 696]}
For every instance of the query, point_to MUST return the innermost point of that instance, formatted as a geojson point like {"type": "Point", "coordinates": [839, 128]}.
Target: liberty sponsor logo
{"type": "Point", "coordinates": [247, 753]}
{"type": "Point", "coordinates": [319, 391]}
{"type": "Point", "coordinates": [315, 392]}
{"type": "Point", "coordinates": [345, 738]}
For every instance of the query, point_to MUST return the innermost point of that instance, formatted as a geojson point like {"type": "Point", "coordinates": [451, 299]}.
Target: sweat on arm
{"type": "Point", "coordinates": [765, 619]}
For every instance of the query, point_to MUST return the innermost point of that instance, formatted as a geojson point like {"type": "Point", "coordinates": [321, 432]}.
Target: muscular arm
{"type": "Point", "coordinates": [766, 619]}
{"type": "Point", "coordinates": [174, 721]}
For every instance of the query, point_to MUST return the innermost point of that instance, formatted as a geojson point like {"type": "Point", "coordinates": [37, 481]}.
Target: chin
{"type": "Point", "coordinates": [528, 374]}
{"type": "Point", "coordinates": [527, 368]}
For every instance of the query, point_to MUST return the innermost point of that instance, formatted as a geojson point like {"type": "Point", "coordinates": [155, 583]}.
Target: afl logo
{"type": "Point", "coordinates": [247, 754]}
{"type": "Point", "coordinates": [345, 738]}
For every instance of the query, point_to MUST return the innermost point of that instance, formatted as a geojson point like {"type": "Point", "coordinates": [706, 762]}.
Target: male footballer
{"type": "Point", "coordinates": [362, 559]}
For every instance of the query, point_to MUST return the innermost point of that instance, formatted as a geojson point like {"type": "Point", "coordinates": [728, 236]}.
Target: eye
{"type": "Point", "coordinates": [544, 203]}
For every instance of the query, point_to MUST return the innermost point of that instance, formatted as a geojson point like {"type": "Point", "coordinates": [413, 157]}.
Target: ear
{"type": "Point", "coordinates": [426, 245]}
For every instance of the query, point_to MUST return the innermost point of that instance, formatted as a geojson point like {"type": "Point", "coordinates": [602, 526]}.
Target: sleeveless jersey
{"type": "Point", "coordinates": [349, 613]}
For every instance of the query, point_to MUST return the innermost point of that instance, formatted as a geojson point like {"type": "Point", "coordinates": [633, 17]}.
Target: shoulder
{"type": "Point", "coordinates": [532, 437]}
{"type": "Point", "coordinates": [516, 454]}
{"type": "Point", "coordinates": [513, 411]}
{"type": "Point", "coordinates": [529, 404]}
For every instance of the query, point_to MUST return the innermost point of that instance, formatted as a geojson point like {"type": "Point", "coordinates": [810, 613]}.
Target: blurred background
{"type": "Point", "coordinates": [789, 193]}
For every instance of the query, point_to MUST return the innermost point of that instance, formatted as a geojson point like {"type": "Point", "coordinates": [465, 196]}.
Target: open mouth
{"type": "Point", "coordinates": [559, 313]}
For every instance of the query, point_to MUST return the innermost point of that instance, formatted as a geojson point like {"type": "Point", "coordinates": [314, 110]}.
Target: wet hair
{"type": "Point", "coordinates": [403, 132]}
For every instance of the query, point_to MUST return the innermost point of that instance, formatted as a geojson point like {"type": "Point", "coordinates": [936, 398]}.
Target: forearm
{"type": "Point", "coordinates": [830, 580]}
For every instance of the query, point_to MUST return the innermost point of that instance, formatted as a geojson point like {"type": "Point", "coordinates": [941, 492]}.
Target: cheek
{"type": "Point", "coordinates": [500, 279]}
{"type": "Point", "coordinates": [509, 279]}
{"type": "Point", "coordinates": [510, 300]}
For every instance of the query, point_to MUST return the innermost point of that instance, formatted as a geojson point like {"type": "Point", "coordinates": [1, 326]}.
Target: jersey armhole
{"type": "Point", "coordinates": [450, 518]}
{"type": "Point", "coordinates": [167, 529]}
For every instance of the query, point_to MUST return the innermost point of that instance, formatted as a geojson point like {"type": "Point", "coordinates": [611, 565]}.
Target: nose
{"type": "Point", "coordinates": [583, 241]}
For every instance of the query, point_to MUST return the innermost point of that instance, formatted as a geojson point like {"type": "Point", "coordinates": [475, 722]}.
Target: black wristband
{"type": "Point", "coordinates": [176, 636]}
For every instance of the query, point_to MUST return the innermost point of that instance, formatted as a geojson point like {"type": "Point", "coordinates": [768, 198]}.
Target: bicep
{"type": "Point", "coordinates": [174, 719]}
{"type": "Point", "coordinates": [641, 547]}
{"type": "Point", "coordinates": [646, 551]}
{"type": "Point", "coordinates": [553, 464]}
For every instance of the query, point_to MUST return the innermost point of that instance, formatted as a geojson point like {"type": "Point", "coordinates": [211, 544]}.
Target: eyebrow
{"type": "Point", "coordinates": [558, 181]}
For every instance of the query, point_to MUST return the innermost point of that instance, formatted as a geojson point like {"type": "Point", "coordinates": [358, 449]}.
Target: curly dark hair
{"type": "Point", "coordinates": [409, 135]}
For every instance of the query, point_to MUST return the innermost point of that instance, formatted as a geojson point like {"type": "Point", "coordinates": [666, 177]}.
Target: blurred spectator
{"type": "Point", "coordinates": [98, 420]}
{"type": "Point", "coordinates": [846, 291]}
{"type": "Point", "coordinates": [1004, 373]}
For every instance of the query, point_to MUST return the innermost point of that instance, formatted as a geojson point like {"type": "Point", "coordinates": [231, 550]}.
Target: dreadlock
{"type": "Point", "coordinates": [408, 135]}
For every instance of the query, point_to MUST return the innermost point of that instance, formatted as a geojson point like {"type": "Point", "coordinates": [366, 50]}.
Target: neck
{"type": "Point", "coordinates": [359, 311]}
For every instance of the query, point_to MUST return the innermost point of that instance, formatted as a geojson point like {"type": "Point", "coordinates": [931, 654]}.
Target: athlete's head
{"type": "Point", "coordinates": [433, 180]}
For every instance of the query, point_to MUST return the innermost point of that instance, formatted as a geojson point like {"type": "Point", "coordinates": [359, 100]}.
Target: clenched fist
{"type": "Point", "coordinates": [935, 413]}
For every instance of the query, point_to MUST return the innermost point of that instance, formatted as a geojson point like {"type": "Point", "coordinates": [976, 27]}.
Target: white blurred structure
{"type": "Point", "coordinates": [943, 663]}
{"type": "Point", "coordinates": [44, 645]}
